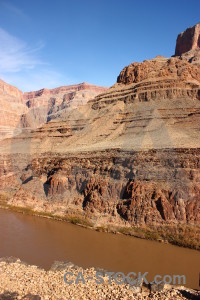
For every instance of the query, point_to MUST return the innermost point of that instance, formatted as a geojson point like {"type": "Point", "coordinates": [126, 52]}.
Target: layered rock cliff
{"type": "Point", "coordinates": [12, 107]}
{"type": "Point", "coordinates": [30, 110]}
{"type": "Point", "coordinates": [130, 156]}
{"type": "Point", "coordinates": [46, 104]}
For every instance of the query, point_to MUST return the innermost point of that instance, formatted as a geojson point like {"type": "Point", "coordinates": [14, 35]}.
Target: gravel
{"type": "Point", "coordinates": [22, 281]}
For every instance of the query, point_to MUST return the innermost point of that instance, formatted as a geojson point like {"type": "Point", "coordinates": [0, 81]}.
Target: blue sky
{"type": "Point", "coordinates": [53, 43]}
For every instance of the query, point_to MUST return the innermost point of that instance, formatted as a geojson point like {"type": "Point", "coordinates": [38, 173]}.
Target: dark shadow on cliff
{"type": "Point", "coordinates": [27, 180]}
{"type": "Point", "coordinates": [46, 187]}
{"type": "Point", "coordinates": [31, 297]}
{"type": "Point", "coordinates": [9, 296]}
{"type": "Point", "coordinates": [14, 296]}
{"type": "Point", "coordinates": [189, 295]}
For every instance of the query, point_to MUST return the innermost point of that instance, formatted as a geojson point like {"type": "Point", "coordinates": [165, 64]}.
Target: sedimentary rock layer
{"type": "Point", "coordinates": [45, 104]}
{"type": "Point", "coordinates": [30, 110]}
{"type": "Point", "coordinates": [12, 107]}
{"type": "Point", "coordinates": [146, 187]}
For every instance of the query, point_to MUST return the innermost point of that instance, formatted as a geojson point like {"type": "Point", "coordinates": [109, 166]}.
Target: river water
{"type": "Point", "coordinates": [42, 241]}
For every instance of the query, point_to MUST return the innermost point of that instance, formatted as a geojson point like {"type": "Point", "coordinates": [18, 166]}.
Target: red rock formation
{"type": "Point", "coordinates": [47, 104]}
{"type": "Point", "coordinates": [19, 111]}
{"type": "Point", "coordinates": [7, 89]}
{"type": "Point", "coordinates": [179, 70]}
{"type": "Point", "coordinates": [68, 88]}
{"type": "Point", "coordinates": [188, 40]}
{"type": "Point", "coordinates": [12, 107]}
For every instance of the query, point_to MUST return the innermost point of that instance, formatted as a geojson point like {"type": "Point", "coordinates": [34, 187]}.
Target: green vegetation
{"type": "Point", "coordinates": [78, 220]}
{"type": "Point", "coordinates": [74, 219]}
{"type": "Point", "coordinates": [180, 235]}
{"type": "Point", "coordinates": [101, 229]}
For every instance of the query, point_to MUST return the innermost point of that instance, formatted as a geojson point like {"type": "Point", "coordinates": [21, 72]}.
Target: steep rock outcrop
{"type": "Point", "coordinates": [188, 40]}
{"type": "Point", "coordinates": [160, 68]}
{"type": "Point", "coordinates": [12, 107]}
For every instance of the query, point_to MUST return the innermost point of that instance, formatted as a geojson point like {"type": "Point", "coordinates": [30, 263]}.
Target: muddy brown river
{"type": "Point", "coordinates": [41, 241]}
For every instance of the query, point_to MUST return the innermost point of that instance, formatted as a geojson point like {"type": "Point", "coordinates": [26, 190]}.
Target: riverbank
{"type": "Point", "coordinates": [187, 236]}
{"type": "Point", "coordinates": [21, 281]}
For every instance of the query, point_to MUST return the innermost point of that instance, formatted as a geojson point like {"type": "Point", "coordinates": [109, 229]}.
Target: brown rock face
{"type": "Point", "coordinates": [139, 187]}
{"type": "Point", "coordinates": [158, 69]}
{"type": "Point", "coordinates": [188, 40]}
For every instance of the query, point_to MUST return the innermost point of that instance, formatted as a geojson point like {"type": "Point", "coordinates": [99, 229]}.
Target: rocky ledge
{"type": "Point", "coordinates": [22, 281]}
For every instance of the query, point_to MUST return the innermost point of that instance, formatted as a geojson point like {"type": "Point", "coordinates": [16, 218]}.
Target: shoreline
{"type": "Point", "coordinates": [23, 281]}
{"type": "Point", "coordinates": [146, 233]}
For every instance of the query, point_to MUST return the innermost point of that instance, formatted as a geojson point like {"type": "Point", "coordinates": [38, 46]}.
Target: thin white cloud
{"type": "Point", "coordinates": [20, 65]}
{"type": "Point", "coordinates": [15, 55]}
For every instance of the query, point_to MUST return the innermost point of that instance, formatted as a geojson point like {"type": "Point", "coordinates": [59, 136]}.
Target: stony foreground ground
{"type": "Point", "coordinates": [21, 281]}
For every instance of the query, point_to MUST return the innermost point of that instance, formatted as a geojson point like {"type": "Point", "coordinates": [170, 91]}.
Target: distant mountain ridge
{"type": "Point", "coordinates": [32, 109]}
{"type": "Point", "coordinates": [67, 88]}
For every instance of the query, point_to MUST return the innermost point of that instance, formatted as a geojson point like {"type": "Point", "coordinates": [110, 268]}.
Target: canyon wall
{"type": "Point", "coordinates": [21, 112]}
{"type": "Point", "coordinates": [137, 188]}
{"type": "Point", "coordinates": [46, 104]}
{"type": "Point", "coordinates": [128, 156]}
